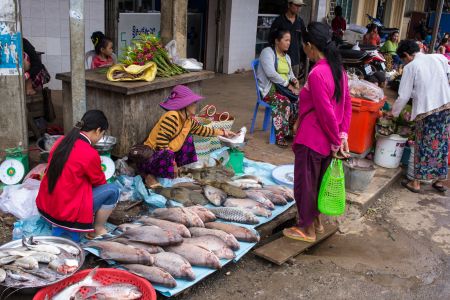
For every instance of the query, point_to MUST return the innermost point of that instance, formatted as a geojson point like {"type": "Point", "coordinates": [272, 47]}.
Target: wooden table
{"type": "Point", "coordinates": [132, 108]}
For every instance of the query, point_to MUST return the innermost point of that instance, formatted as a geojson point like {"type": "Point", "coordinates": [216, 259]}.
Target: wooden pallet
{"type": "Point", "coordinates": [283, 248]}
{"type": "Point", "coordinates": [270, 228]}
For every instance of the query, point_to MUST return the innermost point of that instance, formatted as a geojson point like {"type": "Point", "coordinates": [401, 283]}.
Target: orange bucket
{"type": "Point", "coordinates": [365, 113]}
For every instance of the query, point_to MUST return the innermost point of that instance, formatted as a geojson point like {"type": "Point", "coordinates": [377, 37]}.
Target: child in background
{"type": "Point", "coordinates": [103, 50]}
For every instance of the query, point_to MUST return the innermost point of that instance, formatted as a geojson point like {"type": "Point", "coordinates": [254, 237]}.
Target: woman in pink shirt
{"type": "Point", "coordinates": [321, 130]}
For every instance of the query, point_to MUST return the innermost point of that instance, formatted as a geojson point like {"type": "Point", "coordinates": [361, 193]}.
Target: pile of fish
{"type": "Point", "coordinates": [37, 263]}
{"type": "Point", "coordinates": [239, 199]}
{"type": "Point", "coordinates": [89, 288]}
{"type": "Point", "coordinates": [164, 246]}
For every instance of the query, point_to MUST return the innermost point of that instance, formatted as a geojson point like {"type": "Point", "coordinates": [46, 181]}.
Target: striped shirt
{"type": "Point", "coordinates": [170, 132]}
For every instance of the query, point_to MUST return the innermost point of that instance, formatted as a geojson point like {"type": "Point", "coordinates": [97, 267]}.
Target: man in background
{"type": "Point", "coordinates": [292, 22]}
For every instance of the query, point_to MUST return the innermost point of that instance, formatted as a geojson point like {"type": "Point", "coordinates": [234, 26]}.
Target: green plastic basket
{"type": "Point", "coordinates": [332, 190]}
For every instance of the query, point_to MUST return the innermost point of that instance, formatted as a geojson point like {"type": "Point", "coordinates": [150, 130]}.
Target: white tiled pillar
{"type": "Point", "coordinates": [240, 39]}
{"type": "Point", "coordinates": [45, 23]}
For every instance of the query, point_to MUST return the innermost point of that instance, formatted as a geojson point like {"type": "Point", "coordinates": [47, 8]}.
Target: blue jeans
{"type": "Point", "coordinates": [105, 196]}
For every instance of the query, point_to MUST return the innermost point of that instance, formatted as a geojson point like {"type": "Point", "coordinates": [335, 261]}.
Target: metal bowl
{"type": "Point", "coordinates": [26, 289]}
{"type": "Point", "coordinates": [106, 143]}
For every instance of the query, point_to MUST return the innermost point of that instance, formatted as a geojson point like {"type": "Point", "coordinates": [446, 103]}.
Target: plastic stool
{"type": "Point", "coordinates": [61, 232]}
{"type": "Point", "coordinates": [267, 113]}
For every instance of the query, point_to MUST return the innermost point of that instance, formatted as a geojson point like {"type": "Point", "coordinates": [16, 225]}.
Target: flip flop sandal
{"type": "Point", "coordinates": [439, 188]}
{"type": "Point", "coordinates": [300, 236]}
{"type": "Point", "coordinates": [283, 144]}
{"type": "Point", "coordinates": [405, 184]}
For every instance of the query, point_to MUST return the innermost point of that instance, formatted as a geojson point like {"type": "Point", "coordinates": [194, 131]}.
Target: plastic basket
{"type": "Point", "coordinates": [332, 190]}
{"type": "Point", "coordinates": [104, 276]}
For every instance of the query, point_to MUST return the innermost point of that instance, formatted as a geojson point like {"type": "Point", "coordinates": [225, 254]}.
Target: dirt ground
{"type": "Point", "coordinates": [398, 250]}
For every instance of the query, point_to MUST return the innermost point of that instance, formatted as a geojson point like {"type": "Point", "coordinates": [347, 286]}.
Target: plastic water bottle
{"type": "Point", "coordinates": [17, 232]}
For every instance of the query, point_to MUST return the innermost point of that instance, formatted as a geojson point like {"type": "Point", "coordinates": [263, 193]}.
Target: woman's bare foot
{"type": "Point", "coordinates": [100, 230]}
{"type": "Point", "coordinates": [318, 225]}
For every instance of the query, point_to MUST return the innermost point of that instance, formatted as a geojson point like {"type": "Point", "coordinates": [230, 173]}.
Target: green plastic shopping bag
{"type": "Point", "coordinates": [332, 190]}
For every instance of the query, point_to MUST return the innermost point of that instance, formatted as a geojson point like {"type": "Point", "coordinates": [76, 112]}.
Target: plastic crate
{"type": "Point", "coordinates": [361, 134]}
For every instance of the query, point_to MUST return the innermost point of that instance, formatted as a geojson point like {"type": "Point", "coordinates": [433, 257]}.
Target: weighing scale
{"type": "Point", "coordinates": [15, 166]}
{"type": "Point", "coordinates": [104, 147]}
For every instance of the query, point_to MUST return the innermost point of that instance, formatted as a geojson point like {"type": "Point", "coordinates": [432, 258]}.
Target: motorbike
{"type": "Point", "coordinates": [364, 62]}
{"type": "Point", "coordinates": [384, 32]}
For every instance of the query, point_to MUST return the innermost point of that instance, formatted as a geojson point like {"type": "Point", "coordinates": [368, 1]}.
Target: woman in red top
{"type": "Point", "coordinates": [74, 186]}
{"type": "Point", "coordinates": [338, 25]}
{"type": "Point", "coordinates": [103, 50]}
{"type": "Point", "coordinates": [372, 37]}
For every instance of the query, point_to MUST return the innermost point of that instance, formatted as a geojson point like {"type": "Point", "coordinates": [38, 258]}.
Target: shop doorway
{"type": "Point", "coordinates": [126, 19]}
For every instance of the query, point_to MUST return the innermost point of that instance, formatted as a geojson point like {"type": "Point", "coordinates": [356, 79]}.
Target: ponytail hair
{"type": "Point", "coordinates": [320, 35]}
{"type": "Point", "coordinates": [91, 120]}
{"type": "Point", "coordinates": [100, 41]}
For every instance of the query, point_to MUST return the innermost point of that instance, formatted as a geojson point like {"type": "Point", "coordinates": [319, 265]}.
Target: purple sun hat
{"type": "Point", "coordinates": [180, 97]}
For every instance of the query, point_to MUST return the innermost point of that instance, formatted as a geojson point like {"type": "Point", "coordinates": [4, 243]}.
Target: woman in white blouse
{"type": "Point", "coordinates": [425, 80]}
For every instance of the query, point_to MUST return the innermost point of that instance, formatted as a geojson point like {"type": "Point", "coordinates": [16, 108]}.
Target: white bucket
{"type": "Point", "coordinates": [389, 151]}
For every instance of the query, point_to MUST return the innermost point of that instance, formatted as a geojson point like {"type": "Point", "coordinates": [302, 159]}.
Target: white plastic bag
{"type": "Point", "coordinates": [171, 47]}
{"type": "Point", "coordinates": [364, 89]}
{"type": "Point", "coordinates": [122, 167]}
{"type": "Point", "coordinates": [190, 64]}
{"type": "Point", "coordinates": [20, 200]}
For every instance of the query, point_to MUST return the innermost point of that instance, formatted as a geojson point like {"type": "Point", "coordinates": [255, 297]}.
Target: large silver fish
{"type": "Point", "coordinates": [121, 253]}
{"type": "Point", "coordinates": [261, 198]}
{"type": "Point", "coordinates": [235, 215]}
{"type": "Point", "coordinates": [202, 212]}
{"type": "Point", "coordinates": [70, 291]}
{"type": "Point", "coordinates": [175, 264]}
{"type": "Point", "coordinates": [282, 190]}
{"type": "Point", "coordinates": [214, 195]}
{"type": "Point", "coordinates": [248, 204]}
{"type": "Point", "coordinates": [66, 247]}
{"type": "Point", "coordinates": [214, 244]}
{"type": "Point", "coordinates": [124, 291]}
{"type": "Point", "coordinates": [178, 215]}
{"type": "Point", "coordinates": [125, 226]}
{"type": "Point", "coordinates": [228, 239]}
{"type": "Point", "coordinates": [167, 225]}
{"type": "Point", "coordinates": [240, 233]}
{"type": "Point", "coordinates": [274, 197]}
{"type": "Point", "coordinates": [153, 235]}
{"type": "Point", "coordinates": [196, 256]}
{"type": "Point", "coordinates": [28, 262]}
{"type": "Point", "coordinates": [153, 274]}
{"type": "Point", "coordinates": [245, 183]}
{"type": "Point", "coordinates": [147, 247]}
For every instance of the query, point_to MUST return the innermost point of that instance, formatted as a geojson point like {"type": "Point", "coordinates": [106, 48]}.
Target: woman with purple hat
{"type": "Point", "coordinates": [171, 138]}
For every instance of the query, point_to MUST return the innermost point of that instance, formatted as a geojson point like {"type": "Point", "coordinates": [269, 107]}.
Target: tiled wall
{"type": "Point", "coordinates": [45, 23]}
{"type": "Point", "coordinates": [240, 40]}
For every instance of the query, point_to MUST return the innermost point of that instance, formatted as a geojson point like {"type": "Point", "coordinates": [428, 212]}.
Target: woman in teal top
{"type": "Point", "coordinates": [278, 85]}
{"type": "Point", "coordinates": [390, 47]}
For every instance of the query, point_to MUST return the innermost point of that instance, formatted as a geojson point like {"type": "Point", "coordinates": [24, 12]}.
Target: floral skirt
{"type": "Point", "coordinates": [284, 113]}
{"type": "Point", "coordinates": [431, 147]}
{"type": "Point", "coordinates": [161, 163]}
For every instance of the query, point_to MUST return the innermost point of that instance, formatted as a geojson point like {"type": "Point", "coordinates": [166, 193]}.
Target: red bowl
{"type": "Point", "coordinates": [105, 276]}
